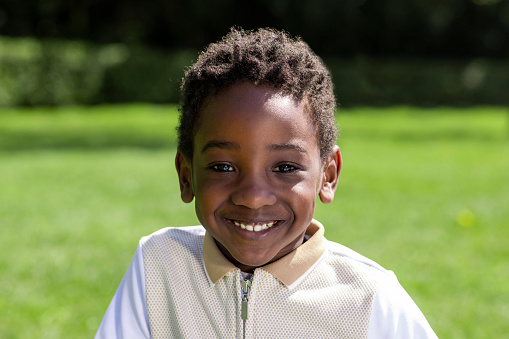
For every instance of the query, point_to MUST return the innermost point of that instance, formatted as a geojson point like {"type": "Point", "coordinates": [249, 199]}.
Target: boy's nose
{"type": "Point", "coordinates": [253, 193]}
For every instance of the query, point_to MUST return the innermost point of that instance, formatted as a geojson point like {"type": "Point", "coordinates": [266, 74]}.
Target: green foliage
{"type": "Point", "coordinates": [71, 216]}
{"type": "Point", "coordinates": [34, 72]}
{"type": "Point", "coordinates": [60, 73]}
{"type": "Point", "coordinates": [366, 81]}
{"type": "Point", "coordinates": [52, 72]}
{"type": "Point", "coordinates": [146, 75]}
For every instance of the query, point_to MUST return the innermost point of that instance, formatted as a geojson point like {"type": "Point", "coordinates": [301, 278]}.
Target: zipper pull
{"type": "Point", "coordinates": [246, 288]}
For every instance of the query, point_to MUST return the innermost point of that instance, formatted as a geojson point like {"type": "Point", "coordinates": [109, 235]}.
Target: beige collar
{"type": "Point", "coordinates": [287, 269]}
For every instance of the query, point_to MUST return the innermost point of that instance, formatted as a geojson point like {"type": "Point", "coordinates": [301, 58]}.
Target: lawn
{"type": "Point", "coordinates": [424, 192]}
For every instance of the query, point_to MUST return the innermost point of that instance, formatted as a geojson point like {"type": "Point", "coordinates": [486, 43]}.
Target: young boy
{"type": "Point", "coordinates": [257, 146]}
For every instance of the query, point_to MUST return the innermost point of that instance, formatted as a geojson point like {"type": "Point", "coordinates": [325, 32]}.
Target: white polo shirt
{"type": "Point", "coordinates": [179, 285]}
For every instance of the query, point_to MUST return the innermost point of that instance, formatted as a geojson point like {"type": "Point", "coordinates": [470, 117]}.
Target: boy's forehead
{"type": "Point", "coordinates": [243, 115]}
{"type": "Point", "coordinates": [256, 98]}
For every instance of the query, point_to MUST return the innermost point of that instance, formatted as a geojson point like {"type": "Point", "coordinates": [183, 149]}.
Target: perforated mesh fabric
{"type": "Point", "coordinates": [333, 301]}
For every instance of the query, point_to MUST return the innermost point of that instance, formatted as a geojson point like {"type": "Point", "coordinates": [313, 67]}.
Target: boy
{"type": "Point", "coordinates": [256, 148]}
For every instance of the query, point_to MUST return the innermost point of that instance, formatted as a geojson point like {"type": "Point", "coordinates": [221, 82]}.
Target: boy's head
{"type": "Point", "coordinates": [259, 152]}
{"type": "Point", "coordinates": [263, 57]}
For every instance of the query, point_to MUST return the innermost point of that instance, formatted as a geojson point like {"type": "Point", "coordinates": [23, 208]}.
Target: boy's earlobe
{"type": "Point", "coordinates": [332, 168]}
{"type": "Point", "coordinates": [183, 167]}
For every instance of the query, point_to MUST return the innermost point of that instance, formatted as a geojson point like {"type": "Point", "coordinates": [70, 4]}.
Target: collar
{"type": "Point", "coordinates": [286, 269]}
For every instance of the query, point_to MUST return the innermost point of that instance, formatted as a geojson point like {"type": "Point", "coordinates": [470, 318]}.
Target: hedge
{"type": "Point", "coordinates": [50, 72]}
{"type": "Point", "coordinates": [421, 82]}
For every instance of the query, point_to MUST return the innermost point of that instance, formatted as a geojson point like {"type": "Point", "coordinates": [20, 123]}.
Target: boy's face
{"type": "Point", "coordinates": [256, 173]}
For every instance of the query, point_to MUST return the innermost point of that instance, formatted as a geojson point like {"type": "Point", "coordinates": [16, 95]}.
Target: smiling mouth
{"type": "Point", "coordinates": [254, 227]}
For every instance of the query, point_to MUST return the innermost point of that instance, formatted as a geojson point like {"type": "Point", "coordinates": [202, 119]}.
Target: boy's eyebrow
{"type": "Point", "coordinates": [287, 147]}
{"type": "Point", "coordinates": [234, 146]}
{"type": "Point", "coordinates": [220, 144]}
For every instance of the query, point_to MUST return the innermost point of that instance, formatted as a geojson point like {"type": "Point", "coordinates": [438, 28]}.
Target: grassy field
{"type": "Point", "coordinates": [424, 192]}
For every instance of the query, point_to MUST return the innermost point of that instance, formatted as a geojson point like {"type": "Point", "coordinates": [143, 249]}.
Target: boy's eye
{"type": "Point", "coordinates": [222, 168]}
{"type": "Point", "coordinates": [285, 168]}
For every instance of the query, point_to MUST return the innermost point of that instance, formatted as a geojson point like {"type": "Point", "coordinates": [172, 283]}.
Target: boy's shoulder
{"type": "Point", "coordinates": [356, 268]}
{"type": "Point", "coordinates": [176, 231]}
{"type": "Point", "coordinates": [341, 251]}
{"type": "Point", "coordinates": [190, 237]}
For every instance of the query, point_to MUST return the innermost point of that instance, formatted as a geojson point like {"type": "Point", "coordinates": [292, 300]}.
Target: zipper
{"type": "Point", "coordinates": [245, 289]}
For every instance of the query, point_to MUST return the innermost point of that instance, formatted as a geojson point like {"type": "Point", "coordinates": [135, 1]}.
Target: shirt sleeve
{"type": "Point", "coordinates": [396, 316]}
{"type": "Point", "coordinates": [126, 316]}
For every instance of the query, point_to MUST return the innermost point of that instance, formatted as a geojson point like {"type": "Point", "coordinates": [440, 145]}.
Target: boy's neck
{"type": "Point", "coordinates": [250, 269]}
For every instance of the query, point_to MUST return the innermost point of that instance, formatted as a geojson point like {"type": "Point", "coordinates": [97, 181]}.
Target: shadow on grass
{"type": "Point", "coordinates": [37, 141]}
{"type": "Point", "coordinates": [430, 136]}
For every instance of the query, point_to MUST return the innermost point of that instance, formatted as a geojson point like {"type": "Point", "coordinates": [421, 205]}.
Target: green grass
{"type": "Point", "coordinates": [80, 186]}
{"type": "Point", "coordinates": [146, 126]}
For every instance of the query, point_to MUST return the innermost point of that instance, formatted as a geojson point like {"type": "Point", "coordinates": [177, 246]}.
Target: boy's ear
{"type": "Point", "coordinates": [184, 173]}
{"type": "Point", "coordinates": [332, 168]}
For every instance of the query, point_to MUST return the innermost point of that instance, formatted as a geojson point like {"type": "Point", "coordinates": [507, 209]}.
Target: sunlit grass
{"type": "Point", "coordinates": [80, 186]}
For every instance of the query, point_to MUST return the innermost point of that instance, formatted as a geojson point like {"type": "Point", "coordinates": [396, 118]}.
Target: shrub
{"type": "Point", "coordinates": [51, 72]}
{"type": "Point", "coordinates": [365, 81]}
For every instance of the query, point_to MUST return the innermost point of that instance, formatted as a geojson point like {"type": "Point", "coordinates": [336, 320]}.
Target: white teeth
{"type": "Point", "coordinates": [254, 227]}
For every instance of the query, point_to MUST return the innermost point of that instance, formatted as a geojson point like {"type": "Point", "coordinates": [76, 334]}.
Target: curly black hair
{"type": "Point", "coordinates": [262, 57]}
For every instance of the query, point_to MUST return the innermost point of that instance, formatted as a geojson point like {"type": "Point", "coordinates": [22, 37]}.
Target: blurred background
{"type": "Point", "coordinates": [88, 109]}
{"type": "Point", "coordinates": [451, 52]}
